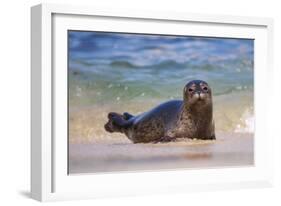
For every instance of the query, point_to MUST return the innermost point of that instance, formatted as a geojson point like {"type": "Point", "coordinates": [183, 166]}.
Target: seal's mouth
{"type": "Point", "coordinates": [199, 97]}
{"type": "Point", "coordinates": [200, 101]}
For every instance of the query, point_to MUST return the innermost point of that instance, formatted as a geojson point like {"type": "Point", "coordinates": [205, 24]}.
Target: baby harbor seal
{"type": "Point", "coordinates": [191, 117]}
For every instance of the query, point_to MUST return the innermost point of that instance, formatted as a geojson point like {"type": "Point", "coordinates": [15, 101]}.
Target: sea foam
{"type": "Point", "coordinates": [248, 123]}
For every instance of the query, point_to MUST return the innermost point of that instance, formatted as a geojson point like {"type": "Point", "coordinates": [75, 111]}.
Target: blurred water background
{"type": "Point", "coordinates": [134, 72]}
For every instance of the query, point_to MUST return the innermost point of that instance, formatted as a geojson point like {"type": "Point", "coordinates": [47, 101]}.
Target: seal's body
{"type": "Point", "coordinates": [191, 117]}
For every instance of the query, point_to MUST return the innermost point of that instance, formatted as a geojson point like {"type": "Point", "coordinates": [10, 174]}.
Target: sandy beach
{"type": "Point", "coordinates": [230, 149]}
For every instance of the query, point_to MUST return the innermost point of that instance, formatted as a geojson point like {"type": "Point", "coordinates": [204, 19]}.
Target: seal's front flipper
{"type": "Point", "coordinates": [213, 137]}
{"type": "Point", "coordinates": [165, 139]}
{"type": "Point", "coordinates": [127, 115]}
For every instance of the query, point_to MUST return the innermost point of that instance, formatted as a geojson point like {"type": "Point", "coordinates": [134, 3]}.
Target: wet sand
{"type": "Point", "coordinates": [119, 154]}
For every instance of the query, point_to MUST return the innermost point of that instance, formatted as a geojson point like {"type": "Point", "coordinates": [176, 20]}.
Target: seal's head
{"type": "Point", "coordinates": [197, 92]}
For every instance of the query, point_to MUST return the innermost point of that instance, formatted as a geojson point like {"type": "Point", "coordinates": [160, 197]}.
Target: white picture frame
{"type": "Point", "coordinates": [49, 178]}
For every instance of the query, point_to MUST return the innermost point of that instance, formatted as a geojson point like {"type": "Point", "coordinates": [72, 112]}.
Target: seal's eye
{"type": "Point", "coordinates": [205, 89]}
{"type": "Point", "coordinates": [190, 90]}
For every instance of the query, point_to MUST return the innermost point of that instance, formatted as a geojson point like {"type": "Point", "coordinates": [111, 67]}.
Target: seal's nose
{"type": "Point", "coordinates": [199, 95]}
